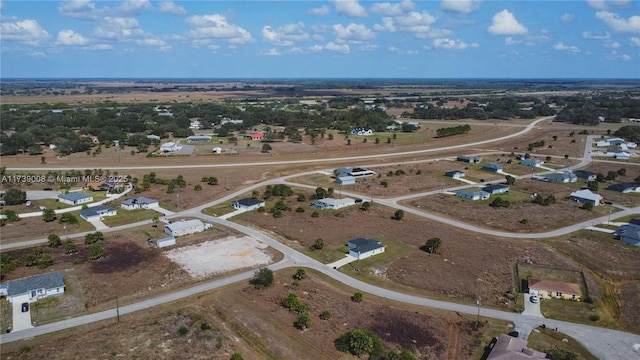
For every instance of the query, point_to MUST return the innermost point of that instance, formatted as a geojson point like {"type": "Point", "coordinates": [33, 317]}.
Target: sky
{"type": "Point", "coordinates": [320, 39]}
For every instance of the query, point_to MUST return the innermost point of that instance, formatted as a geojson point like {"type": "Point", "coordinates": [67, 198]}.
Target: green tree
{"type": "Point", "coordinates": [301, 197]}
{"type": "Point", "coordinates": [592, 185]}
{"type": "Point", "coordinates": [48, 215]}
{"type": "Point", "coordinates": [68, 218]}
{"type": "Point", "coordinates": [321, 193]}
{"type": "Point", "coordinates": [357, 297]}
{"type": "Point", "coordinates": [11, 215]}
{"type": "Point", "coordinates": [300, 274]}
{"type": "Point", "coordinates": [262, 278]}
{"type": "Point", "coordinates": [70, 247]}
{"type": "Point", "coordinates": [266, 148]}
{"type": "Point", "coordinates": [212, 180]}
{"type": "Point", "coordinates": [560, 354]}
{"type": "Point", "coordinates": [292, 303]}
{"type": "Point", "coordinates": [92, 238]}
{"type": "Point", "coordinates": [399, 214]}
{"type": "Point", "coordinates": [197, 187]}
{"type": "Point", "coordinates": [587, 206]}
{"type": "Point", "coordinates": [325, 315]}
{"type": "Point", "coordinates": [359, 342]}
{"type": "Point", "coordinates": [54, 241]}
{"type": "Point", "coordinates": [366, 205]}
{"type": "Point", "coordinates": [303, 321]}
{"type": "Point", "coordinates": [236, 356]}
{"type": "Point", "coordinates": [510, 180]}
{"type": "Point", "coordinates": [432, 245]}
{"type": "Point", "coordinates": [97, 251]}
{"type": "Point", "coordinates": [44, 261]}
{"type": "Point", "coordinates": [15, 197]}
{"type": "Point", "coordinates": [318, 244]}
{"type": "Point", "coordinates": [255, 194]}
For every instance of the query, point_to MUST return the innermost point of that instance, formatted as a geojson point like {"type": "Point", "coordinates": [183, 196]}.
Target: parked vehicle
{"type": "Point", "coordinates": [25, 307]}
{"type": "Point", "coordinates": [534, 299]}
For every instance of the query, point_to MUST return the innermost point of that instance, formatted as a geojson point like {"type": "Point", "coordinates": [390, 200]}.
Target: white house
{"type": "Point", "coordinates": [139, 203]}
{"type": "Point", "coordinates": [166, 241]}
{"type": "Point", "coordinates": [456, 174]}
{"type": "Point", "coordinates": [75, 198]}
{"type": "Point", "coordinates": [345, 180]}
{"type": "Point", "coordinates": [185, 227]}
{"type": "Point", "coordinates": [217, 150]}
{"type": "Point", "coordinates": [565, 177]}
{"type": "Point", "coordinates": [195, 124]}
{"type": "Point", "coordinates": [170, 147]}
{"type": "Point", "coordinates": [36, 287]}
{"type": "Point", "coordinates": [363, 248]}
{"type": "Point", "coordinates": [531, 162]}
{"type": "Point", "coordinates": [333, 204]}
{"type": "Point", "coordinates": [97, 212]}
{"type": "Point", "coordinates": [473, 194]}
{"type": "Point", "coordinates": [496, 189]}
{"type": "Point", "coordinates": [247, 204]}
{"type": "Point", "coordinates": [586, 196]}
{"type": "Point", "coordinates": [625, 188]}
{"type": "Point", "coordinates": [198, 138]}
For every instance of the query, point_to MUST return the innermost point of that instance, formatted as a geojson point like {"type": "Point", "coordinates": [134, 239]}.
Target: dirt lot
{"type": "Point", "coordinates": [252, 322]}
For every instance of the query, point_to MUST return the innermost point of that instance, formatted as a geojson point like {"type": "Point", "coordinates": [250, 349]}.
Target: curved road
{"type": "Point", "coordinates": [604, 343]}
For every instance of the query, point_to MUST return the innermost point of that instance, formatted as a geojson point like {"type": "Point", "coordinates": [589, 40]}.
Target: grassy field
{"type": "Point", "coordinates": [130, 216]}
{"type": "Point", "coordinates": [575, 311]}
{"type": "Point", "coordinates": [545, 339]}
{"type": "Point", "coordinates": [218, 210]}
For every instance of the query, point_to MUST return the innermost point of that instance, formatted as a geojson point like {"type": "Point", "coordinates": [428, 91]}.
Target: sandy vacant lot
{"type": "Point", "coordinates": [217, 256]}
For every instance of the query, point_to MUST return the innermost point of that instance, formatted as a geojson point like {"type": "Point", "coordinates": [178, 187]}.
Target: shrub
{"type": "Point", "coordinates": [325, 315]}
{"type": "Point", "coordinates": [262, 278]}
{"type": "Point", "coordinates": [594, 317]}
{"type": "Point", "coordinates": [315, 214]}
{"type": "Point", "coordinates": [182, 331]}
{"type": "Point", "coordinates": [299, 209]}
{"type": "Point", "coordinates": [357, 297]}
{"type": "Point", "coordinates": [303, 321]}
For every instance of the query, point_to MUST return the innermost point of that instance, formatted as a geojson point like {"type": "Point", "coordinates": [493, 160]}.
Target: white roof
{"type": "Point", "coordinates": [186, 224]}
{"type": "Point", "coordinates": [586, 194]}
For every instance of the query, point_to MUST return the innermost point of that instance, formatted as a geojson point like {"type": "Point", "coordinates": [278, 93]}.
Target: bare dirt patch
{"type": "Point", "coordinates": [218, 256]}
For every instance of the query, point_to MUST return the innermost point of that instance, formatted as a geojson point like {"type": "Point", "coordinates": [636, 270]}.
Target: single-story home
{"type": "Point", "coordinates": [195, 124]}
{"type": "Point", "coordinates": [75, 198]}
{"type": "Point", "coordinates": [586, 196]}
{"type": "Point", "coordinates": [455, 174]}
{"type": "Point", "coordinates": [98, 186]}
{"type": "Point", "coordinates": [170, 147]}
{"type": "Point", "coordinates": [585, 175]}
{"type": "Point", "coordinates": [493, 167]}
{"type": "Point", "coordinates": [333, 204]}
{"type": "Point", "coordinates": [625, 187]}
{"type": "Point", "coordinates": [355, 172]}
{"type": "Point", "coordinates": [508, 347]}
{"type": "Point", "coordinates": [36, 287]}
{"type": "Point", "coordinates": [4, 290]}
{"type": "Point", "coordinates": [629, 233]}
{"type": "Point", "coordinates": [258, 135]}
{"type": "Point", "coordinates": [473, 194]}
{"type": "Point", "coordinates": [531, 162]}
{"type": "Point", "coordinates": [361, 248]}
{"type": "Point", "coordinates": [185, 227]}
{"type": "Point", "coordinates": [361, 131]}
{"type": "Point", "coordinates": [247, 204]}
{"type": "Point", "coordinates": [563, 177]}
{"type": "Point", "coordinates": [469, 159]}
{"type": "Point", "coordinates": [97, 212]}
{"type": "Point", "coordinates": [139, 203]}
{"type": "Point", "coordinates": [549, 289]}
{"type": "Point", "coordinates": [346, 180]}
{"type": "Point", "coordinates": [198, 138]}
{"type": "Point", "coordinates": [496, 189]}
{"type": "Point", "coordinates": [619, 154]}
{"type": "Point", "coordinates": [153, 137]}
{"type": "Point", "coordinates": [217, 150]}
{"type": "Point", "coordinates": [166, 241]}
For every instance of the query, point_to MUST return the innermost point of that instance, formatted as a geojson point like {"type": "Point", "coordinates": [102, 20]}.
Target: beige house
{"type": "Point", "coordinates": [548, 289]}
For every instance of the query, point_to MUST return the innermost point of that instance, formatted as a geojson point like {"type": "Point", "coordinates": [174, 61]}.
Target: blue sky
{"type": "Point", "coordinates": [320, 39]}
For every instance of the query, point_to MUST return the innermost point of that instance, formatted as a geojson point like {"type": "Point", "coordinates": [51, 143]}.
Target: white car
{"type": "Point", "coordinates": [534, 299]}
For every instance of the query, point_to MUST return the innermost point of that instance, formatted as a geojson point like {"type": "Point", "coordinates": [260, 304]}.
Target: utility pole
{"type": "Point", "coordinates": [117, 309]}
{"type": "Point", "coordinates": [478, 318]}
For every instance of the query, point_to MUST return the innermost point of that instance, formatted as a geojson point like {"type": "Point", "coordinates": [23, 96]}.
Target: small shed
{"type": "Point", "coordinates": [166, 241]}
{"type": "Point", "coordinates": [345, 180]}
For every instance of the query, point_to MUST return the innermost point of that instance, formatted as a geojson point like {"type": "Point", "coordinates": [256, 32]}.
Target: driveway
{"type": "Point", "coordinates": [530, 308]}
{"type": "Point", "coordinates": [342, 262]}
{"type": "Point", "coordinates": [21, 320]}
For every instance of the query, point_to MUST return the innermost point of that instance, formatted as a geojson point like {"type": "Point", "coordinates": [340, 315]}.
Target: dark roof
{"type": "Point", "coordinates": [453, 172]}
{"type": "Point", "coordinates": [249, 202]}
{"type": "Point", "coordinates": [583, 174]}
{"type": "Point", "coordinates": [44, 281]}
{"type": "Point", "coordinates": [622, 186]}
{"type": "Point", "coordinates": [491, 188]}
{"type": "Point", "coordinates": [635, 221]}
{"type": "Point", "coordinates": [492, 165]}
{"type": "Point", "coordinates": [74, 196]}
{"type": "Point", "coordinates": [362, 245]}
{"type": "Point", "coordinates": [96, 210]}
{"type": "Point", "coordinates": [139, 200]}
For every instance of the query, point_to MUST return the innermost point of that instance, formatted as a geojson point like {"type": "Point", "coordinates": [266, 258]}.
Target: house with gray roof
{"type": "Point", "coordinates": [332, 204]}
{"type": "Point", "coordinates": [496, 189]}
{"type": "Point", "coordinates": [625, 188]}
{"type": "Point", "coordinates": [469, 159]}
{"type": "Point", "coordinates": [509, 348]}
{"type": "Point", "coordinates": [493, 167]}
{"type": "Point", "coordinates": [139, 203]}
{"type": "Point", "coordinates": [456, 174]}
{"type": "Point", "coordinates": [629, 233]}
{"type": "Point", "coordinates": [585, 175]}
{"type": "Point", "coordinates": [185, 227]}
{"type": "Point", "coordinates": [473, 194]}
{"type": "Point", "coordinates": [345, 180]}
{"type": "Point", "coordinates": [75, 198]}
{"type": "Point", "coordinates": [361, 248]}
{"type": "Point", "coordinates": [531, 162]}
{"type": "Point", "coordinates": [97, 212]}
{"type": "Point", "coordinates": [36, 287]}
{"type": "Point", "coordinates": [564, 177]}
{"type": "Point", "coordinates": [247, 204]}
{"type": "Point", "coordinates": [586, 196]}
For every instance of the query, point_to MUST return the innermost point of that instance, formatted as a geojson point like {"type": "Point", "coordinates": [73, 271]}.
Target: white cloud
{"type": "Point", "coordinates": [566, 17]}
{"type": "Point", "coordinates": [634, 41]}
{"type": "Point", "coordinates": [626, 57]}
{"type": "Point", "coordinates": [87, 10]}
{"type": "Point", "coordinates": [154, 42]}
{"type": "Point", "coordinates": [449, 44]}
{"type": "Point", "coordinates": [613, 55]}
{"type": "Point", "coordinates": [285, 35]}
{"type": "Point", "coordinates": [612, 45]}
{"type": "Point", "coordinates": [595, 35]}
{"type": "Point", "coordinates": [618, 24]}
{"type": "Point", "coordinates": [368, 47]}
{"type": "Point", "coordinates": [349, 8]}
{"type": "Point", "coordinates": [460, 6]}
{"type": "Point", "coordinates": [343, 48]}
{"type": "Point", "coordinates": [392, 9]}
{"type": "Point", "coordinates": [134, 6]}
{"type": "Point", "coordinates": [353, 32]}
{"type": "Point", "coordinates": [606, 4]}
{"type": "Point", "coordinates": [172, 8]}
{"type": "Point", "coordinates": [100, 47]}
{"type": "Point", "coordinates": [504, 23]}
{"type": "Point", "coordinates": [216, 26]}
{"type": "Point", "coordinates": [118, 28]}
{"type": "Point", "coordinates": [295, 50]}
{"type": "Point", "coordinates": [27, 31]}
{"type": "Point", "coordinates": [319, 11]}
{"type": "Point", "coordinates": [81, 9]}
{"type": "Point", "coordinates": [568, 48]}
{"type": "Point", "coordinates": [418, 23]}
{"type": "Point", "coordinates": [69, 37]}
{"type": "Point", "coordinates": [270, 52]}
